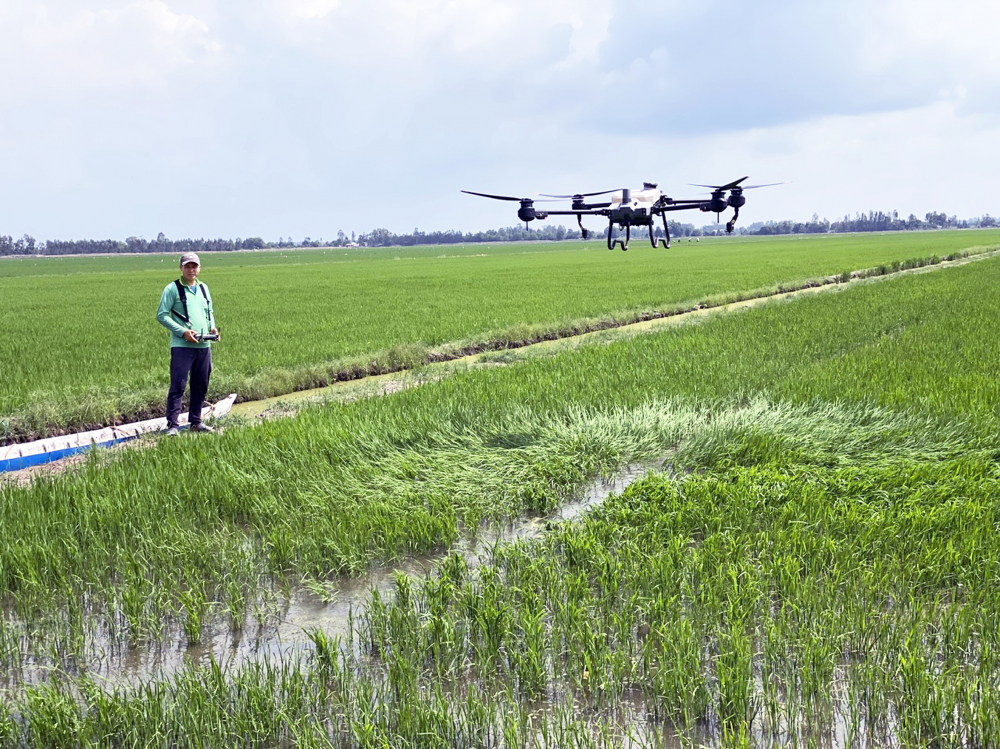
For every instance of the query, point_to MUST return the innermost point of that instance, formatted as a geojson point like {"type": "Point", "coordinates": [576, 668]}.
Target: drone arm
{"type": "Point", "coordinates": [685, 205]}
{"type": "Point", "coordinates": [588, 212]}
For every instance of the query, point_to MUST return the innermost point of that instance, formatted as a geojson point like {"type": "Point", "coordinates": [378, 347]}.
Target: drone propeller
{"type": "Point", "coordinates": [527, 210]}
{"type": "Point", "coordinates": [736, 186]}
{"type": "Point", "coordinates": [495, 197]}
{"type": "Point", "coordinates": [579, 195]}
{"type": "Point", "coordinates": [507, 197]}
{"type": "Point", "coordinates": [730, 186]}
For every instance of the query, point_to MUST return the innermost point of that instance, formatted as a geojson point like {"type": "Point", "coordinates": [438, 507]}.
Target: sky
{"type": "Point", "coordinates": [299, 118]}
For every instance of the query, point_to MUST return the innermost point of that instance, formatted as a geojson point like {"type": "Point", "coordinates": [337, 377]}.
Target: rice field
{"type": "Point", "coordinates": [88, 351]}
{"type": "Point", "coordinates": [812, 564]}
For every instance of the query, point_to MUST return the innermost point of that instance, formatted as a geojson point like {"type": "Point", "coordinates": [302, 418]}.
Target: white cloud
{"type": "Point", "coordinates": [311, 8]}
{"type": "Point", "coordinates": [299, 116]}
{"type": "Point", "coordinates": [63, 50]}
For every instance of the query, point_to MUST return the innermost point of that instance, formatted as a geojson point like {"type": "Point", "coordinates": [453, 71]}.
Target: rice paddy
{"type": "Point", "coordinates": [813, 562]}
{"type": "Point", "coordinates": [88, 351]}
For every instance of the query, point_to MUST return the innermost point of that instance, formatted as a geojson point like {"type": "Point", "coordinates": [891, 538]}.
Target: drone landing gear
{"type": "Point", "coordinates": [612, 243]}
{"type": "Point", "coordinates": [666, 231]}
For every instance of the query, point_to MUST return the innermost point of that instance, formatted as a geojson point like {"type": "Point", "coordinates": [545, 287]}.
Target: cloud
{"type": "Point", "coordinates": [67, 51]}
{"type": "Point", "coordinates": [718, 66]}
{"type": "Point", "coordinates": [304, 116]}
{"type": "Point", "coordinates": [311, 8]}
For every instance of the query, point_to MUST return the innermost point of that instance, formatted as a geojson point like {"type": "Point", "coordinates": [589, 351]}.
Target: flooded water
{"type": "Point", "coordinates": [333, 607]}
{"type": "Point", "coordinates": [301, 610]}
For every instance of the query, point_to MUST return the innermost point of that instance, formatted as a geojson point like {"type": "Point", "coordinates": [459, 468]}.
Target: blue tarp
{"type": "Point", "coordinates": [16, 464]}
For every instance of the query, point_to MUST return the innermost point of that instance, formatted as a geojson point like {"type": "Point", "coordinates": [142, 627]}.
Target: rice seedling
{"type": "Point", "coordinates": [912, 661]}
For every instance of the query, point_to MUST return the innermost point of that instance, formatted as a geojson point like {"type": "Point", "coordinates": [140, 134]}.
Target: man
{"type": "Point", "coordinates": [186, 311]}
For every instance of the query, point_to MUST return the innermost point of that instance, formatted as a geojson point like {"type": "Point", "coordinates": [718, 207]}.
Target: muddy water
{"type": "Point", "coordinates": [301, 610]}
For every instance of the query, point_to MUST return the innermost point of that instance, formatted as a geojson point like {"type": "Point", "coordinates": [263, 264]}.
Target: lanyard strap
{"type": "Point", "coordinates": [185, 318]}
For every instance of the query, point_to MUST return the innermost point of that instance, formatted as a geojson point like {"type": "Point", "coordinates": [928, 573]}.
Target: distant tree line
{"type": "Point", "coordinates": [28, 246]}
{"type": "Point", "coordinates": [872, 221]}
{"type": "Point", "coordinates": [518, 233]}
{"type": "Point", "coordinates": [861, 222]}
{"type": "Point", "coordinates": [23, 246]}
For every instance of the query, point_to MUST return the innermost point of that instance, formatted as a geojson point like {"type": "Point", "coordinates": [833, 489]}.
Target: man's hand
{"type": "Point", "coordinates": [190, 335]}
{"type": "Point", "coordinates": [215, 331]}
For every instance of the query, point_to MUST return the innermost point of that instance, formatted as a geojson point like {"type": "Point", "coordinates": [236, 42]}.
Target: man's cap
{"type": "Point", "coordinates": [189, 257]}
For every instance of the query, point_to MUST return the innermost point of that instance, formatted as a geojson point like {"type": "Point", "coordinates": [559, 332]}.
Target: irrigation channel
{"type": "Point", "coordinates": [302, 609]}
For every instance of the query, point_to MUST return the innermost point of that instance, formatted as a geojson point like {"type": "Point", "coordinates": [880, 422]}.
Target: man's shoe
{"type": "Point", "coordinates": [172, 432]}
{"type": "Point", "coordinates": [202, 428]}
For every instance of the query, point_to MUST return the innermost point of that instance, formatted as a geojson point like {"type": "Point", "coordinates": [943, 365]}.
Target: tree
{"type": "Point", "coordinates": [135, 244]}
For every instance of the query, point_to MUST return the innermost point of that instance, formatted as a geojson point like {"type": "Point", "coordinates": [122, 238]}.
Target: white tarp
{"type": "Point", "coordinates": [52, 448]}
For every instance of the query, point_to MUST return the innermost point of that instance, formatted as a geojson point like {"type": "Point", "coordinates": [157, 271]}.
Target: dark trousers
{"type": "Point", "coordinates": [183, 361]}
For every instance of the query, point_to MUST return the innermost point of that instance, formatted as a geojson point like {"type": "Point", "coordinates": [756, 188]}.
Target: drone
{"type": "Point", "coordinates": [628, 208]}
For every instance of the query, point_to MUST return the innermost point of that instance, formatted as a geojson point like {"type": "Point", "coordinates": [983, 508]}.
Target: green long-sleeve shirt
{"type": "Point", "coordinates": [171, 311]}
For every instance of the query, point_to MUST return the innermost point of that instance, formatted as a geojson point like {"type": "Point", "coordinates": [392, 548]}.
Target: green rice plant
{"type": "Point", "coordinates": [792, 508]}
{"type": "Point", "coordinates": [329, 329]}
{"type": "Point", "coordinates": [195, 610]}
{"type": "Point", "coordinates": [736, 706]}
{"type": "Point", "coordinates": [827, 519]}
{"type": "Point", "coordinates": [51, 715]}
{"type": "Point", "coordinates": [675, 673]}
{"type": "Point", "coordinates": [528, 659]}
